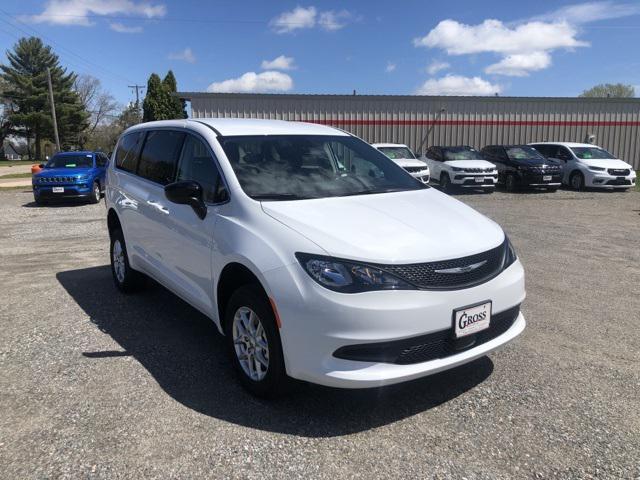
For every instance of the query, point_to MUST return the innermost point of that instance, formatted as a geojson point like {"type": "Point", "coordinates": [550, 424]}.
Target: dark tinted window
{"type": "Point", "coordinates": [434, 154]}
{"type": "Point", "coordinates": [160, 155]}
{"type": "Point", "coordinates": [546, 150]}
{"type": "Point", "coordinates": [563, 154]}
{"type": "Point", "coordinates": [197, 163]}
{"type": "Point", "coordinates": [101, 160]}
{"type": "Point", "coordinates": [80, 160]}
{"type": "Point", "coordinates": [127, 152]}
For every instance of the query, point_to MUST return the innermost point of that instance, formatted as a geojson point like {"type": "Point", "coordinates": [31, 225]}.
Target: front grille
{"type": "Point", "coordinates": [551, 169]}
{"type": "Point", "coordinates": [415, 169]}
{"type": "Point", "coordinates": [623, 172]}
{"type": "Point", "coordinates": [57, 179]}
{"type": "Point", "coordinates": [425, 275]}
{"type": "Point", "coordinates": [619, 182]}
{"type": "Point", "coordinates": [432, 346]}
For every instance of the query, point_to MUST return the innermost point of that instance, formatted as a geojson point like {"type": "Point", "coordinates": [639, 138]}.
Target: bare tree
{"type": "Point", "coordinates": [100, 104]}
{"type": "Point", "coordinates": [614, 90]}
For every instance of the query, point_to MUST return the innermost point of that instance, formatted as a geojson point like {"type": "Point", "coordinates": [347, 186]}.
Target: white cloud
{"type": "Point", "coordinates": [301, 18]}
{"type": "Point", "coordinates": [185, 55]}
{"type": "Point", "coordinates": [297, 19]}
{"type": "Point", "coordinates": [436, 66]}
{"type": "Point", "coordinates": [120, 28]}
{"type": "Point", "coordinates": [332, 20]}
{"type": "Point", "coordinates": [581, 13]}
{"type": "Point", "coordinates": [279, 63]}
{"type": "Point", "coordinates": [494, 36]}
{"type": "Point", "coordinates": [520, 64]}
{"type": "Point", "coordinates": [390, 67]}
{"type": "Point", "coordinates": [458, 85]}
{"type": "Point", "coordinates": [252, 82]}
{"type": "Point", "coordinates": [77, 12]}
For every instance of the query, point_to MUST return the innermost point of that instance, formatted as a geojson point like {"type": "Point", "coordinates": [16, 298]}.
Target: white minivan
{"type": "Point", "coordinates": [314, 254]}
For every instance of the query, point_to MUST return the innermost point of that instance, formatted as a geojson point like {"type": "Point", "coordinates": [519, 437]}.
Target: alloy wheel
{"type": "Point", "coordinates": [250, 343]}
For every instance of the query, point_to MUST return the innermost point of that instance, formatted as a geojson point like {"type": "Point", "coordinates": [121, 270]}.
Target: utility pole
{"type": "Point", "coordinates": [137, 88]}
{"type": "Point", "coordinates": [53, 110]}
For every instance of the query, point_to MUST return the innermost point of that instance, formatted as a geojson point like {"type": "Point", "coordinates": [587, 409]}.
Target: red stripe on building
{"type": "Point", "coordinates": [567, 123]}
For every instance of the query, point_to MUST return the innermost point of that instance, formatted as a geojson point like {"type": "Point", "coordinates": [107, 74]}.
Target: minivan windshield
{"type": "Point", "coordinates": [397, 152]}
{"type": "Point", "coordinates": [524, 153]}
{"type": "Point", "coordinates": [81, 160]}
{"type": "Point", "coordinates": [461, 153]}
{"type": "Point", "coordinates": [588, 153]}
{"type": "Point", "coordinates": [294, 167]}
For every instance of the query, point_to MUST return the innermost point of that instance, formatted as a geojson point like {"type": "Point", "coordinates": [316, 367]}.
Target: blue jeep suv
{"type": "Point", "coordinates": [71, 175]}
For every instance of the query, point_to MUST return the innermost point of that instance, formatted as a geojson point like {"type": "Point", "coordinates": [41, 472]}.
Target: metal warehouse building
{"type": "Point", "coordinates": [475, 121]}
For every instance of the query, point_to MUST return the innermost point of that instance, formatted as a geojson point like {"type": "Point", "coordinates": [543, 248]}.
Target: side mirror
{"type": "Point", "coordinates": [187, 193]}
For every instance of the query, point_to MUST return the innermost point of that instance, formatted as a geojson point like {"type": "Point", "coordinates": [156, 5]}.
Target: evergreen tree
{"type": "Point", "coordinates": [160, 102]}
{"type": "Point", "coordinates": [178, 109]}
{"type": "Point", "coordinates": [26, 79]}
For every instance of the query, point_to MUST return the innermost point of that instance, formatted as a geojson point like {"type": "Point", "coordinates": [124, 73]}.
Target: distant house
{"type": "Point", "coordinates": [9, 152]}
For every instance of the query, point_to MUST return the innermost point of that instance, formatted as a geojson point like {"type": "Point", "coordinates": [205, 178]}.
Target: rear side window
{"type": "Point", "coordinates": [159, 155]}
{"type": "Point", "coordinates": [127, 152]}
{"type": "Point", "coordinates": [198, 164]}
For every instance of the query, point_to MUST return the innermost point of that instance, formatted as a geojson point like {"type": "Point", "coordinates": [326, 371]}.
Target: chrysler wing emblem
{"type": "Point", "coordinates": [465, 269]}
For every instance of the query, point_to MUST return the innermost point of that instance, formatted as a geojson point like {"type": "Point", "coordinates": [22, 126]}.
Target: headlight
{"type": "Point", "coordinates": [347, 277]}
{"type": "Point", "coordinates": [82, 178]}
{"type": "Point", "coordinates": [597, 169]}
{"type": "Point", "coordinates": [457, 169]}
{"type": "Point", "coordinates": [510, 253]}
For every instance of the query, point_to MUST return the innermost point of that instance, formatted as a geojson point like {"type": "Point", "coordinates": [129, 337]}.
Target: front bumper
{"type": "Point", "coordinates": [604, 180]}
{"type": "Point", "coordinates": [475, 180]}
{"type": "Point", "coordinates": [45, 192]}
{"type": "Point", "coordinates": [538, 180]}
{"type": "Point", "coordinates": [316, 322]}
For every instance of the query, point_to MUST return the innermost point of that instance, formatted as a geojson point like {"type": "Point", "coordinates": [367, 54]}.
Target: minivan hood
{"type": "Point", "coordinates": [470, 163]}
{"type": "Point", "coordinates": [606, 163]}
{"type": "Point", "coordinates": [410, 162]}
{"type": "Point", "coordinates": [402, 227]}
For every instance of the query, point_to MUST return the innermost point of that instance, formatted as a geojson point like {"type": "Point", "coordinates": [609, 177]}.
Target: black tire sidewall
{"type": "Point", "coordinates": [275, 381]}
{"type": "Point", "coordinates": [581, 177]}
{"type": "Point", "coordinates": [510, 182]}
{"type": "Point", "coordinates": [445, 182]}
{"type": "Point", "coordinates": [93, 198]}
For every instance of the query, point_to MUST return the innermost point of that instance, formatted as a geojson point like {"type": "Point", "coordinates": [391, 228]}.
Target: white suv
{"type": "Point", "coordinates": [403, 156]}
{"type": "Point", "coordinates": [314, 254]}
{"type": "Point", "coordinates": [587, 165]}
{"type": "Point", "coordinates": [461, 167]}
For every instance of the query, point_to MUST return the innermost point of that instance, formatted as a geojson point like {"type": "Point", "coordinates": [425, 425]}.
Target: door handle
{"type": "Point", "coordinates": [158, 206]}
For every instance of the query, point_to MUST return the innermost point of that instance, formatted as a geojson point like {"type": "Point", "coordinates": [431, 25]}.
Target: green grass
{"type": "Point", "coordinates": [12, 163]}
{"type": "Point", "coordinates": [14, 175]}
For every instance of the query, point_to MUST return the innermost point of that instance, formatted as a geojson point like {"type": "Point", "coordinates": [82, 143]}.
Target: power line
{"type": "Point", "coordinates": [61, 47]}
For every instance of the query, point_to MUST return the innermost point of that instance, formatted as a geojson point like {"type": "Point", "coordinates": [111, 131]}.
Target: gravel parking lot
{"type": "Point", "coordinates": [95, 384]}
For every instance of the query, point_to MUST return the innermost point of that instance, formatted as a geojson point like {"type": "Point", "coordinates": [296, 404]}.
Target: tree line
{"type": "Point", "coordinates": [88, 117]}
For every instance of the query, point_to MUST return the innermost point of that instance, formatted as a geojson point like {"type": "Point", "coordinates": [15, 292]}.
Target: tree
{"type": "Point", "coordinates": [99, 104]}
{"type": "Point", "coordinates": [615, 90]}
{"type": "Point", "coordinates": [160, 103]}
{"type": "Point", "coordinates": [106, 134]}
{"type": "Point", "coordinates": [26, 76]}
{"type": "Point", "coordinates": [178, 108]}
{"type": "Point", "coordinates": [6, 108]}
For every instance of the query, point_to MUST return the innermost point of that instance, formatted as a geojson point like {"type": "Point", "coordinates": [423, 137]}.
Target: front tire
{"type": "Point", "coordinates": [95, 193]}
{"type": "Point", "coordinates": [445, 183]}
{"type": "Point", "coordinates": [577, 181]}
{"type": "Point", "coordinates": [511, 183]}
{"type": "Point", "coordinates": [253, 343]}
{"type": "Point", "coordinates": [126, 279]}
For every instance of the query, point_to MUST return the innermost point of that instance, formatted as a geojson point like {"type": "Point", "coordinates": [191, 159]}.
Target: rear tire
{"type": "Point", "coordinates": [126, 279]}
{"type": "Point", "coordinates": [253, 342]}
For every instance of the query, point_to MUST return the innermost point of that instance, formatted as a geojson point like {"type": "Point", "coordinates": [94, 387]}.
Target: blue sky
{"type": "Point", "coordinates": [538, 48]}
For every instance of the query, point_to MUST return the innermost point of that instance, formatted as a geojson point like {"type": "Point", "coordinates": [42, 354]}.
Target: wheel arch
{"type": "Point", "coordinates": [113, 222]}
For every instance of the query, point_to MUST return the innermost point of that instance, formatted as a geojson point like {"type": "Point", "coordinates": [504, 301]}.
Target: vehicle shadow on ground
{"type": "Point", "coordinates": [184, 352]}
{"type": "Point", "coordinates": [57, 204]}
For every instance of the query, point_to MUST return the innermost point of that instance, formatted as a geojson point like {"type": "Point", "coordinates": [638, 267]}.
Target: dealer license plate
{"type": "Point", "coordinates": [472, 319]}
{"type": "Point", "coordinates": [479, 179]}
{"type": "Point", "coordinates": [546, 178]}
{"type": "Point", "coordinates": [57, 189]}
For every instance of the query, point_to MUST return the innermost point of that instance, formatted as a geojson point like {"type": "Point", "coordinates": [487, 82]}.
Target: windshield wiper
{"type": "Point", "coordinates": [279, 196]}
